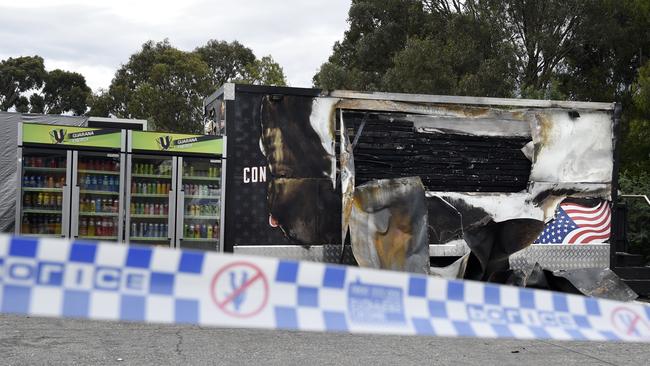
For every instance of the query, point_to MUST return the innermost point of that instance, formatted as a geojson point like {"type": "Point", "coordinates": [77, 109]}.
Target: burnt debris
{"type": "Point", "coordinates": [390, 147]}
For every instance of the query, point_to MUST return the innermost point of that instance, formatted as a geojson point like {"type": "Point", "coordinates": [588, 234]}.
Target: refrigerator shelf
{"type": "Point", "coordinates": [202, 197]}
{"type": "Point", "coordinates": [143, 216]}
{"type": "Point", "coordinates": [193, 217]}
{"type": "Point", "coordinates": [106, 193]}
{"type": "Point", "coordinates": [36, 210]}
{"type": "Point", "coordinates": [205, 240]}
{"type": "Point", "coordinates": [150, 195]}
{"type": "Point", "coordinates": [42, 169]}
{"type": "Point", "coordinates": [211, 179]}
{"type": "Point", "coordinates": [148, 238]}
{"type": "Point", "coordinates": [151, 176]}
{"type": "Point", "coordinates": [42, 235]}
{"type": "Point", "coordinates": [83, 213]}
{"type": "Point", "coordinates": [98, 237]}
{"type": "Point", "coordinates": [34, 189]}
{"type": "Point", "coordinates": [99, 172]}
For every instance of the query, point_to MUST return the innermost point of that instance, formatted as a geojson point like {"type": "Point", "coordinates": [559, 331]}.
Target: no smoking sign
{"type": "Point", "coordinates": [240, 289]}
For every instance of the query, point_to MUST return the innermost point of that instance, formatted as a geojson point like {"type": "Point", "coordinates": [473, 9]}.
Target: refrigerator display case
{"type": "Point", "coordinates": [200, 194]}
{"type": "Point", "coordinates": [96, 196]}
{"type": "Point", "coordinates": [69, 182]}
{"type": "Point", "coordinates": [152, 195]}
{"type": "Point", "coordinates": [44, 199]}
{"type": "Point", "coordinates": [174, 190]}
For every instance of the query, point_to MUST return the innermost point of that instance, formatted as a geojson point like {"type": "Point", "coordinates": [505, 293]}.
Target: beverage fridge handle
{"type": "Point", "coordinates": [75, 212]}
{"type": "Point", "coordinates": [171, 211]}
{"type": "Point", "coordinates": [65, 221]}
{"type": "Point", "coordinates": [180, 216]}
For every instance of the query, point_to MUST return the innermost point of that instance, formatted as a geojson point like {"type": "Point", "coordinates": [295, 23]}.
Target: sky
{"type": "Point", "coordinates": [95, 37]}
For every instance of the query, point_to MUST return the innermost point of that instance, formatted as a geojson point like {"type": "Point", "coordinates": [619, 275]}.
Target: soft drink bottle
{"type": "Point", "coordinates": [59, 201]}
{"type": "Point", "coordinates": [26, 226]}
{"type": "Point", "coordinates": [150, 229]}
{"type": "Point", "coordinates": [83, 227]}
{"type": "Point", "coordinates": [209, 231]}
{"type": "Point", "coordinates": [100, 183]}
{"type": "Point", "coordinates": [91, 227]}
{"type": "Point", "coordinates": [134, 229]}
{"type": "Point", "coordinates": [57, 225]}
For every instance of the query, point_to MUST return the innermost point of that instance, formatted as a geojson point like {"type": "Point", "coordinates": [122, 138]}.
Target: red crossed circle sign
{"type": "Point", "coordinates": [627, 321]}
{"type": "Point", "coordinates": [240, 289]}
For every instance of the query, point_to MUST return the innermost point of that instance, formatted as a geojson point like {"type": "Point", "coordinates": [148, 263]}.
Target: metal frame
{"type": "Point", "coordinates": [484, 101]}
{"type": "Point", "coordinates": [126, 121]}
{"type": "Point", "coordinates": [222, 199]}
{"type": "Point", "coordinates": [179, 209]}
{"type": "Point", "coordinates": [67, 197]}
{"type": "Point", "coordinates": [19, 195]}
{"type": "Point", "coordinates": [74, 208]}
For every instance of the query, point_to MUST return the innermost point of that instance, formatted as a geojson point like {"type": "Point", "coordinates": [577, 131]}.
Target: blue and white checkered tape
{"type": "Point", "coordinates": [58, 278]}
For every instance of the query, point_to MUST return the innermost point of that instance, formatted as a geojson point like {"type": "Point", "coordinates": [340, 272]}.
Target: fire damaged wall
{"type": "Point", "coordinates": [492, 176]}
{"type": "Point", "coordinates": [389, 146]}
{"type": "Point", "coordinates": [302, 195]}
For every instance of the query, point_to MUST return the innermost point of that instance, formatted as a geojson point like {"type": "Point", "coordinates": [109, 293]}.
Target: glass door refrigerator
{"type": "Point", "coordinates": [69, 182]}
{"type": "Point", "coordinates": [198, 214]}
{"type": "Point", "coordinates": [169, 180]}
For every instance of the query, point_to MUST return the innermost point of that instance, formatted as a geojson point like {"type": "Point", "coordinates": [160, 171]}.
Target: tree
{"type": "Point", "coordinates": [232, 62]}
{"type": "Point", "coordinates": [443, 47]}
{"type": "Point", "coordinates": [378, 30]}
{"type": "Point", "coordinates": [63, 91]}
{"type": "Point", "coordinates": [17, 76]}
{"type": "Point", "coordinates": [263, 72]}
{"type": "Point", "coordinates": [162, 84]}
{"type": "Point", "coordinates": [27, 87]}
{"type": "Point", "coordinates": [465, 57]}
{"type": "Point", "coordinates": [166, 85]}
{"type": "Point", "coordinates": [226, 61]}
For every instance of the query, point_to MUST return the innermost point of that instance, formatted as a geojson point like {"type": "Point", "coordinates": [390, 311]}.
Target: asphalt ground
{"type": "Point", "coordinates": [42, 341]}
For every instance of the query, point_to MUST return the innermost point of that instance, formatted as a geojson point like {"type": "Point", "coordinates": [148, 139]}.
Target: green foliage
{"type": "Point", "coordinates": [264, 72]}
{"type": "Point", "coordinates": [638, 217]}
{"type": "Point", "coordinates": [378, 30]}
{"type": "Point", "coordinates": [53, 92]}
{"type": "Point", "coordinates": [226, 61]}
{"type": "Point", "coordinates": [17, 76]}
{"type": "Point", "coordinates": [166, 85]}
{"type": "Point", "coordinates": [63, 91]}
{"type": "Point", "coordinates": [162, 84]}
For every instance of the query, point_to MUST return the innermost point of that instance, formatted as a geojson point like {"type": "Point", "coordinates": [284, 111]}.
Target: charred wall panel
{"type": "Point", "coordinates": [390, 147]}
{"type": "Point", "coordinates": [275, 167]}
{"type": "Point", "coordinates": [247, 211]}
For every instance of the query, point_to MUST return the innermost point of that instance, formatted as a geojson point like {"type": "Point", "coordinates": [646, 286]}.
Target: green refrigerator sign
{"type": "Point", "coordinates": [174, 142]}
{"type": "Point", "coordinates": [71, 135]}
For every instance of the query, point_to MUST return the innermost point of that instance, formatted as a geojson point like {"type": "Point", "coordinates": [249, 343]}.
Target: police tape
{"type": "Point", "coordinates": [57, 278]}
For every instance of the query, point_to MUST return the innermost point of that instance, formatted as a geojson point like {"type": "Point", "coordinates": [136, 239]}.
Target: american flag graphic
{"type": "Point", "coordinates": [577, 224]}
